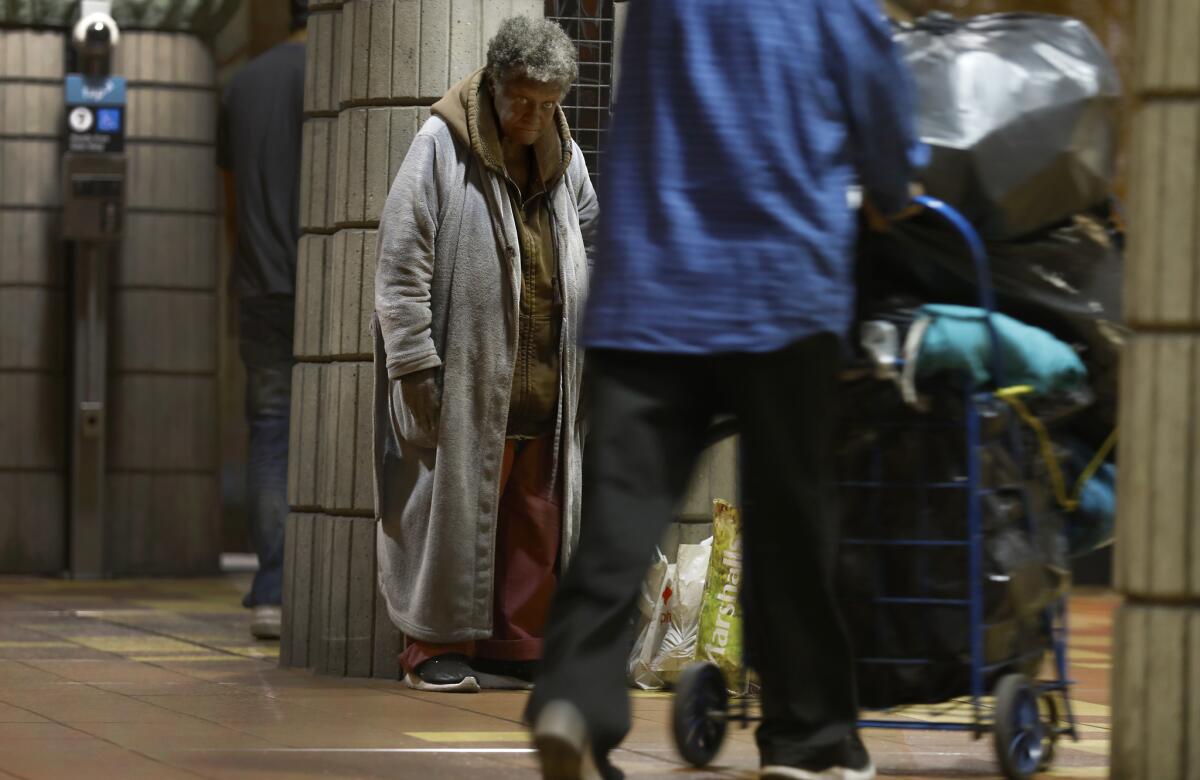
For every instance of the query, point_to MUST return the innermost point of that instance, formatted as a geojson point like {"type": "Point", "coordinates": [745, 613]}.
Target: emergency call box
{"type": "Point", "coordinates": [93, 196]}
{"type": "Point", "coordinates": [94, 163]}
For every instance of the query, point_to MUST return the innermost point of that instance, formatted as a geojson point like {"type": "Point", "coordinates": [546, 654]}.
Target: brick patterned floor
{"type": "Point", "coordinates": [160, 680]}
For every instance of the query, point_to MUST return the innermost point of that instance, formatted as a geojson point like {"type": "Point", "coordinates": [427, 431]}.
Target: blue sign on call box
{"type": "Point", "coordinates": [103, 91]}
{"type": "Point", "coordinates": [95, 113]}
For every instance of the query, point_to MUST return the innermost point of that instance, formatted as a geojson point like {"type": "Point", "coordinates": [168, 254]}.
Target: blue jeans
{"type": "Point", "coordinates": [266, 346]}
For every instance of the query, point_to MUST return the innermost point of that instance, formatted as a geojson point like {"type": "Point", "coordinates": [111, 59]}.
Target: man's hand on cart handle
{"type": "Point", "coordinates": [880, 223]}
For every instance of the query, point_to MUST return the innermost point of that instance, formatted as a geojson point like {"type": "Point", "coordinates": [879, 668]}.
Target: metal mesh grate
{"type": "Point", "coordinates": [589, 23]}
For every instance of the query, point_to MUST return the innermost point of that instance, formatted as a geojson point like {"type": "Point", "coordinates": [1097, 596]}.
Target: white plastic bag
{"type": "Point", "coordinates": [678, 644]}
{"type": "Point", "coordinates": [656, 592]}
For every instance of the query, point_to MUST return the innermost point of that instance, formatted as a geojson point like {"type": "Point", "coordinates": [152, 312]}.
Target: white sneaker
{"type": "Point", "coordinates": [832, 773]}
{"type": "Point", "coordinates": [266, 623]}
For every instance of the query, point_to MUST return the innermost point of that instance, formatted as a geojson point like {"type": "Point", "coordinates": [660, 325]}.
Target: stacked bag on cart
{"type": "Point", "coordinates": [904, 475]}
{"type": "Point", "coordinates": [1020, 111]}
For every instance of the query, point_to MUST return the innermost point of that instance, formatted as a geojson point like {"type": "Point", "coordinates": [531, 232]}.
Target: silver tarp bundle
{"type": "Point", "coordinates": [1021, 113]}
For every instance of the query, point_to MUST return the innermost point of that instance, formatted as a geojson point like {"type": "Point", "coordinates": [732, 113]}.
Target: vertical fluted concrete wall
{"type": "Point", "coordinates": [33, 380]}
{"type": "Point", "coordinates": [374, 68]}
{"type": "Point", "coordinates": [1156, 679]}
{"type": "Point", "coordinates": [163, 492]}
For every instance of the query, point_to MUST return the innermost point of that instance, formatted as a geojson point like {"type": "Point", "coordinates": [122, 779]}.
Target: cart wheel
{"type": "Point", "coordinates": [1024, 744]}
{"type": "Point", "coordinates": [700, 713]}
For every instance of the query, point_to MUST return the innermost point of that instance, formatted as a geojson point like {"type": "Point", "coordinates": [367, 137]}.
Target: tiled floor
{"type": "Point", "coordinates": [160, 680]}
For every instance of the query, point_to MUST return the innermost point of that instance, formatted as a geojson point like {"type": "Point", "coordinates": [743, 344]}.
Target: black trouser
{"type": "Point", "coordinates": [648, 421]}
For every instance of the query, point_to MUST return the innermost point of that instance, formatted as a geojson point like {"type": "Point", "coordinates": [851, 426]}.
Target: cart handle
{"type": "Point", "coordinates": [983, 274]}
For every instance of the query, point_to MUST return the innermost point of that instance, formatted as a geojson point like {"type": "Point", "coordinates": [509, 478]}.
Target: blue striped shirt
{"type": "Point", "coordinates": [739, 128]}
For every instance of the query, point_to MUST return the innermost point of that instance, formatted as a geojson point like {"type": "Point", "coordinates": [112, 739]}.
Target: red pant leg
{"type": "Point", "coordinates": [528, 534]}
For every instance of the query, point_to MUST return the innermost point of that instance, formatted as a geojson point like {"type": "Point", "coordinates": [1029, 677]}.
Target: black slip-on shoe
{"type": "Point", "coordinates": [449, 673]}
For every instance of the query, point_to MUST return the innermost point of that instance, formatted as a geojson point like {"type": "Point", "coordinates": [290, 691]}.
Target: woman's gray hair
{"type": "Point", "coordinates": [537, 49]}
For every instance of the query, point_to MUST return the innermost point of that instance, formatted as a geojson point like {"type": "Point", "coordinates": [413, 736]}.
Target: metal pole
{"type": "Point", "coordinates": [88, 395]}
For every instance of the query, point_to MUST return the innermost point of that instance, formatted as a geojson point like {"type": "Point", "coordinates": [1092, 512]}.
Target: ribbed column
{"type": "Point", "coordinates": [1156, 679]}
{"type": "Point", "coordinates": [715, 477]}
{"type": "Point", "coordinates": [163, 492]}
{"type": "Point", "coordinates": [374, 67]}
{"type": "Point", "coordinates": [32, 299]}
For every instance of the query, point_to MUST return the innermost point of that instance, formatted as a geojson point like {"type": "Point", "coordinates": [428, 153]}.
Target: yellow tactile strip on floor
{"type": "Point", "coordinates": [455, 737]}
{"type": "Point", "coordinates": [133, 645]}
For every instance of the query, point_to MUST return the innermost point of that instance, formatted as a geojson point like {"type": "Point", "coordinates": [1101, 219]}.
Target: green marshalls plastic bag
{"type": "Point", "coordinates": [720, 639]}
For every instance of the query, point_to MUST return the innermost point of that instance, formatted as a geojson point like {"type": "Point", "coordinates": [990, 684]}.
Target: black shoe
{"type": "Point", "coordinates": [449, 673]}
{"type": "Point", "coordinates": [848, 761]}
{"type": "Point", "coordinates": [520, 670]}
{"type": "Point", "coordinates": [564, 748]}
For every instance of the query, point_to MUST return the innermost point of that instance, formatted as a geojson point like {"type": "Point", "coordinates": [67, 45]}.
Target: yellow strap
{"type": "Point", "coordinates": [1012, 396]}
{"type": "Point", "coordinates": [1006, 393]}
{"type": "Point", "coordinates": [1096, 462]}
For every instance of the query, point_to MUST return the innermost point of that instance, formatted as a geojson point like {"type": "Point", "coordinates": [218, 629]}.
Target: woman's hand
{"type": "Point", "coordinates": [420, 400]}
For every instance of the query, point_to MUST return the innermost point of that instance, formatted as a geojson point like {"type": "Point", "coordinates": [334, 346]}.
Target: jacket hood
{"type": "Point", "coordinates": [467, 109]}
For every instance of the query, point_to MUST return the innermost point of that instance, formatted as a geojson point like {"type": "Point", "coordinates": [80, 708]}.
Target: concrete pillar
{"type": "Point", "coordinates": [1156, 678]}
{"type": "Point", "coordinates": [32, 305]}
{"type": "Point", "coordinates": [163, 490]}
{"type": "Point", "coordinates": [374, 68]}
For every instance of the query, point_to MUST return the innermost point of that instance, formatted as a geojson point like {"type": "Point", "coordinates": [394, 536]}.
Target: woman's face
{"type": "Point", "coordinates": [526, 108]}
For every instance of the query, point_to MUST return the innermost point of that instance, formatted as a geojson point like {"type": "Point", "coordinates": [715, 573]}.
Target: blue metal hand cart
{"type": "Point", "coordinates": [1024, 714]}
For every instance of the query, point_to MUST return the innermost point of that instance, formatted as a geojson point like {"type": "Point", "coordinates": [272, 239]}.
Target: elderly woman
{"type": "Point", "coordinates": [480, 281]}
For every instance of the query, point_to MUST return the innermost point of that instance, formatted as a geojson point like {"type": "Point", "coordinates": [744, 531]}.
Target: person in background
{"type": "Point", "coordinates": [481, 274]}
{"type": "Point", "coordinates": [724, 284]}
{"type": "Point", "coordinates": [258, 150]}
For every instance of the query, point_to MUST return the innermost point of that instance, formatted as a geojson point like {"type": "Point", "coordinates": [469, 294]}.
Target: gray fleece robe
{"type": "Point", "coordinates": [447, 296]}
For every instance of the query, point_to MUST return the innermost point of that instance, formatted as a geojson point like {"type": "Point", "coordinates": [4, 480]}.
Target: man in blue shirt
{"type": "Point", "coordinates": [724, 285]}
